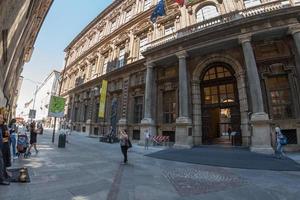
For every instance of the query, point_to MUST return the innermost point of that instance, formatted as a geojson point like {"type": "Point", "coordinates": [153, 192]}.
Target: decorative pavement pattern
{"type": "Point", "coordinates": [199, 180]}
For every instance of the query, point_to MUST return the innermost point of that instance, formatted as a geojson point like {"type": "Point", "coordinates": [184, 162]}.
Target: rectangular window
{"type": "Point", "coordinates": [280, 97]}
{"type": "Point", "coordinates": [93, 69]}
{"type": "Point", "coordinates": [169, 107]}
{"type": "Point", "coordinates": [105, 65]}
{"type": "Point", "coordinates": [85, 111]}
{"type": "Point", "coordinates": [121, 61]}
{"type": "Point", "coordinates": [96, 119]}
{"type": "Point", "coordinates": [169, 30]}
{"type": "Point", "coordinates": [113, 26]}
{"type": "Point", "coordinates": [147, 4]}
{"type": "Point", "coordinates": [128, 15]}
{"type": "Point", "coordinates": [143, 46]}
{"type": "Point", "coordinates": [138, 109]}
{"type": "Point", "coordinates": [4, 45]}
{"type": "Point", "coordinates": [251, 3]}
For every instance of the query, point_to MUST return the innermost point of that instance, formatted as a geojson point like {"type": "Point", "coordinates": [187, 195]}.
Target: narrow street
{"type": "Point", "coordinates": [88, 170]}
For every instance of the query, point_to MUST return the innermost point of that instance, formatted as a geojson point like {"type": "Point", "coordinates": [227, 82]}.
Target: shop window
{"type": "Point", "coordinates": [206, 12]}
{"type": "Point", "coordinates": [136, 135]}
{"type": "Point", "coordinates": [169, 107]}
{"type": "Point", "coordinates": [291, 135]}
{"type": "Point", "coordinates": [138, 109]}
{"type": "Point", "coordinates": [280, 97]}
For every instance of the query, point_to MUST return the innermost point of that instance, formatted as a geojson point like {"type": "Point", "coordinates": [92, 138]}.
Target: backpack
{"type": "Point", "coordinates": [283, 140]}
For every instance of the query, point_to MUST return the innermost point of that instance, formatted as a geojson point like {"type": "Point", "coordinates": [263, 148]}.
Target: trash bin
{"type": "Point", "coordinates": [62, 140]}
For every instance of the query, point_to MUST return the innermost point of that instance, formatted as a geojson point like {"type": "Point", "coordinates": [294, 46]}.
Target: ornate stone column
{"type": "Point", "coordinates": [261, 130]}
{"type": "Point", "coordinates": [294, 30]}
{"type": "Point", "coordinates": [148, 122]}
{"type": "Point", "coordinates": [183, 135]}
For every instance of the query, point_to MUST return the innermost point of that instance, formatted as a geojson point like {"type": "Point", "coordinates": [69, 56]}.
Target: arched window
{"type": "Point", "coordinates": [206, 12]}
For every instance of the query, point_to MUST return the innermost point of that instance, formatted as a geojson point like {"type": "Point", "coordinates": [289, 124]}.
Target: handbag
{"type": "Point", "coordinates": [129, 144]}
{"type": "Point", "coordinates": [283, 140]}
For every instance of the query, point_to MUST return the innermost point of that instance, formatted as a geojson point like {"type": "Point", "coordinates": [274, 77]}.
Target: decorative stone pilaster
{"type": "Point", "coordinates": [183, 135]}
{"type": "Point", "coordinates": [294, 30]}
{"type": "Point", "coordinates": [261, 131]}
{"type": "Point", "coordinates": [123, 121]}
{"type": "Point", "coordinates": [148, 122]}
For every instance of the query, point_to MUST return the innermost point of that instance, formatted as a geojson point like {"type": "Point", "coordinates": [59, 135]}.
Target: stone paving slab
{"type": "Point", "coordinates": [89, 170]}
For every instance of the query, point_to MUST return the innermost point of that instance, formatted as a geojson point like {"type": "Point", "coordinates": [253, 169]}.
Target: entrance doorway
{"type": "Point", "coordinates": [220, 106]}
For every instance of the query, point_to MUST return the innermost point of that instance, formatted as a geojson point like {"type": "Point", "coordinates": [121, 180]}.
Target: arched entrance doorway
{"type": "Point", "coordinates": [220, 104]}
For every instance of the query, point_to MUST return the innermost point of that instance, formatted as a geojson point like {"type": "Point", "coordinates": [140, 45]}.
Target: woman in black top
{"type": "Point", "coordinates": [33, 137]}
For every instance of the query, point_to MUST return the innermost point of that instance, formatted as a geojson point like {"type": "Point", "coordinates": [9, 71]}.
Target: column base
{"type": "Point", "coordinates": [146, 124]}
{"type": "Point", "coordinates": [261, 134]}
{"type": "Point", "coordinates": [183, 134]}
{"type": "Point", "coordinates": [88, 127]}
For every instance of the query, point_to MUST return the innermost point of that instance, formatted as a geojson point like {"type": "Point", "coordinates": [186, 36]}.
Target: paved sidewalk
{"type": "Point", "coordinates": [87, 169]}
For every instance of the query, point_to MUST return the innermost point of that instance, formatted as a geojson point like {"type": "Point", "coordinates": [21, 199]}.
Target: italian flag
{"type": "Point", "coordinates": [181, 2]}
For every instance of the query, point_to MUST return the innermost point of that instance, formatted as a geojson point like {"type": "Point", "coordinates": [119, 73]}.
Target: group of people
{"type": "Point", "coordinates": [9, 135]}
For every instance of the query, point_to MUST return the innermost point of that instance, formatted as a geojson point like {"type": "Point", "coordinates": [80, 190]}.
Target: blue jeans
{"type": "Point", "coordinates": [13, 143]}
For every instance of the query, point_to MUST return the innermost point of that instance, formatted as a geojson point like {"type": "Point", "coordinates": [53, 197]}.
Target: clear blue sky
{"type": "Point", "coordinates": [64, 21]}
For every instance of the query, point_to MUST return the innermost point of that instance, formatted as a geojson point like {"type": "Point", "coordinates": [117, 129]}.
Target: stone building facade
{"type": "Point", "coordinates": [200, 72]}
{"type": "Point", "coordinates": [20, 22]}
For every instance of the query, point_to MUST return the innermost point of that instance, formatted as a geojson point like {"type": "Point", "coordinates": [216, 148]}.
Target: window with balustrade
{"type": "Point", "coordinates": [121, 61]}
{"type": "Point", "coordinates": [128, 15]}
{"type": "Point", "coordinates": [105, 64]}
{"type": "Point", "coordinates": [169, 29]}
{"type": "Point", "coordinates": [113, 25]}
{"type": "Point", "coordinates": [93, 69]}
{"type": "Point", "coordinates": [251, 3]}
{"type": "Point", "coordinates": [206, 12]}
{"type": "Point", "coordinates": [143, 46]}
{"type": "Point", "coordinates": [147, 4]}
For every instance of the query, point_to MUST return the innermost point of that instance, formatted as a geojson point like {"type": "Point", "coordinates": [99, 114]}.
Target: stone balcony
{"type": "Point", "coordinates": [221, 20]}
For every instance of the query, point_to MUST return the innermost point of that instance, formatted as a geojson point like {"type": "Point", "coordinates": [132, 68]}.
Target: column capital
{"type": "Point", "coordinates": [181, 54]}
{"type": "Point", "coordinates": [295, 28]}
{"type": "Point", "coordinates": [244, 38]}
{"type": "Point", "coordinates": [149, 64]}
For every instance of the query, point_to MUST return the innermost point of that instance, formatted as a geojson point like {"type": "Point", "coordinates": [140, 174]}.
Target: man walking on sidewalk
{"type": "Point", "coordinates": [3, 181]}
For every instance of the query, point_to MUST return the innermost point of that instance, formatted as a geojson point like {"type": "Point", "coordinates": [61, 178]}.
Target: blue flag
{"type": "Point", "coordinates": [158, 11]}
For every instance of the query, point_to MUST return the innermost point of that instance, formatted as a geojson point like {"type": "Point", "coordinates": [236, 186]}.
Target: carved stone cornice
{"type": "Point", "coordinates": [144, 26]}
{"type": "Point", "coordinates": [295, 28]}
{"type": "Point", "coordinates": [128, 4]}
{"type": "Point", "coordinates": [123, 37]}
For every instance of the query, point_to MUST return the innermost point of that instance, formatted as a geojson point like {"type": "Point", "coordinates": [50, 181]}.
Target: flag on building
{"type": "Point", "coordinates": [159, 10]}
{"type": "Point", "coordinates": [102, 99]}
{"type": "Point", "coordinates": [180, 2]}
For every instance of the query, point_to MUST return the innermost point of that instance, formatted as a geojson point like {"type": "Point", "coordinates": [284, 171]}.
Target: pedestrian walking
{"type": "Point", "coordinates": [13, 137]}
{"type": "Point", "coordinates": [281, 140]}
{"type": "Point", "coordinates": [33, 138]}
{"type": "Point", "coordinates": [147, 138]}
{"type": "Point", "coordinates": [125, 144]}
{"type": "Point", "coordinates": [4, 152]}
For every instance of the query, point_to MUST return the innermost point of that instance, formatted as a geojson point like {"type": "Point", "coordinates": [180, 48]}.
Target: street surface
{"type": "Point", "coordinates": [89, 170]}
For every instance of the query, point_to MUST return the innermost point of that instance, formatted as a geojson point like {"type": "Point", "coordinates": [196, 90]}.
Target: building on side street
{"type": "Point", "coordinates": [20, 22]}
{"type": "Point", "coordinates": [42, 98]}
{"type": "Point", "coordinates": [202, 71]}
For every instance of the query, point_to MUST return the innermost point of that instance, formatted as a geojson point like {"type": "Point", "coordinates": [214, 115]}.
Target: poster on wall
{"type": "Point", "coordinates": [32, 114]}
{"type": "Point", "coordinates": [102, 99]}
{"type": "Point", "coordinates": [57, 107]}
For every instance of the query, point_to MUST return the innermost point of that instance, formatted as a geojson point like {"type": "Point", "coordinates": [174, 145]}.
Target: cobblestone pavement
{"type": "Point", "coordinates": [88, 170]}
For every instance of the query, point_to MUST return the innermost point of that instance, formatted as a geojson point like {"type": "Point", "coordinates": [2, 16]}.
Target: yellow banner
{"type": "Point", "coordinates": [102, 99]}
